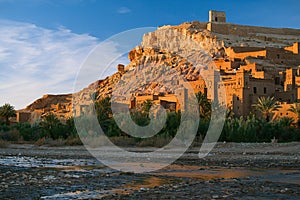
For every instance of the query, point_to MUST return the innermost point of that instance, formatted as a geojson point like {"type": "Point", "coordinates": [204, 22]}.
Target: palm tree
{"type": "Point", "coordinates": [103, 108]}
{"type": "Point", "coordinates": [7, 111]}
{"type": "Point", "coordinates": [266, 106]}
{"type": "Point", "coordinates": [51, 126]}
{"type": "Point", "coordinates": [204, 105]}
{"type": "Point", "coordinates": [296, 109]}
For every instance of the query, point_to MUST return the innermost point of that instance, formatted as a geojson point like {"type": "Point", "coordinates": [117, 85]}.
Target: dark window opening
{"type": "Point", "coordinates": [254, 90]}
{"type": "Point", "coordinates": [265, 90]}
{"type": "Point", "coordinates": [278, 56]}
{"type": "Point", "coordinates": [216, 19]}
{"type": "Point", "coordinates": [237, 98]}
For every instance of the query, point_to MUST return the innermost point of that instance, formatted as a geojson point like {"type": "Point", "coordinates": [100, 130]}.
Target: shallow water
{"type": "Point", "coordinates": [79, 168]}
{"type": "Point", "coordinates": [37, 162]}
{"type": "Point", "coordinates": [209, 173]}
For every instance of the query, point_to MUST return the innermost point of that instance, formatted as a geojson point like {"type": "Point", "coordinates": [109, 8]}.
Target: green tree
{"type": "Point", "coordinates": [146, 105]}
{"type": "Point", "coordinates": [172, 123]}
{"type": "Point", "coordinates": [266, 106]}
{"type": "Point", "coordinates": [296, 109]}
{"type": "Point", "coordinates": [52, 127]}
{"type": "Point", "coordinates": [103, 108]}
{"type": "Point", "coordinates": [204, 106]}
{"type": "Point", "coordinates": [70, 126]}
{"type": "Point", "coordinates": [104, 113]}
{"type": "Point", "coordinates": [7, 111]}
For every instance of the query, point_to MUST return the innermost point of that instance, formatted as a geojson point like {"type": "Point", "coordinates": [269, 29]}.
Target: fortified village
{"type": "Point", "coordinates": [252, 62]}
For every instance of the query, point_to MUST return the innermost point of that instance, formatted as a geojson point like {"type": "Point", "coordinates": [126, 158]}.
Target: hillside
{"type": "Point", "coordinates": [228, 47]}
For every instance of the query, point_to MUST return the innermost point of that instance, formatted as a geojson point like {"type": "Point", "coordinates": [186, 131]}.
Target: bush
{"type": "Point", "coordinates": [28, 132]}
{"type": "Point", "coordinates": [4, 127]}
{"type": "Point", "coordinates": [73, 141]}
{"type": "Point", "coordinates": [253, 129]}
{"type": "Point", "coordinates": [40, 142]}
{"type": "Point", "coordinates": [3, 144]}
{"type": "Point", "coordinates": [14, 135]}
{"type": "Point", "coordinates": [158, 141]}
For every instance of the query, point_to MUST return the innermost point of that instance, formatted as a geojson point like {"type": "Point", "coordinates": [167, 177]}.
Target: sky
{"type": "Point", "coordinates": [43, 43]}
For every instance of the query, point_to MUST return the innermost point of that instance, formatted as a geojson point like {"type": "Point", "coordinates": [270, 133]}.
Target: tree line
{"type": "Point", "coordinates": [249, 128]}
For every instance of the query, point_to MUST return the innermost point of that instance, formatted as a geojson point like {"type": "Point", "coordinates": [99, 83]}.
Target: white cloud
{"type": "Point", "coordinates": [123, 10]}
{"type": "Point", "coordinates": [35, 61]}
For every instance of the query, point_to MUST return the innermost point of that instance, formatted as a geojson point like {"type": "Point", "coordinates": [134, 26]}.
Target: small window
{"type": "Point", "coordinates": [216, 19]}
{"type": "Point", "coordinates": [265, 90]}
{"type": "Point", "coordinates": [278, 56]}
{"type": "Point", "coordinates": [254, 90]}
{"type": "Point", "coordinates": [237, 98]}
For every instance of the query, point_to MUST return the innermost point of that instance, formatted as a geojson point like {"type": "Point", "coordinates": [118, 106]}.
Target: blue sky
{"type": "Point", "coordinates": [43, 42]}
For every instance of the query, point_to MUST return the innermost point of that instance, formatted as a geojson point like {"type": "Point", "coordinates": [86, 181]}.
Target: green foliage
{"type": "Point", "coordinates": [51, 127]}
{"type": "Point", "coordinates": [146, 105]}
{"type": "Point", "coordinates": [3, 143]}
{"type": "Point", "coordinates": [140, 118]}
{"type": "Point", "coordinates": [4, 128]}
{"type": "Point", "coordinates": [204, 106]}
{"type": "Point", "coordinates": [242, 129]}
{"type": "Point", "coordinates": [29, 132]}
{"type": "Point", "coordinates": [113, 129]}
{"type": "Point", "coordinates": [266, 106]}
{"type": "Point", "coordinates": [103, 109]}
{"type": "Point", "coordinates": [70, 127]}
{"type": "Point", "coordinates": [296, 109]}
{"type": "Point", "coordinates": [172, 123]}
{"type": "Point", "coordinates": [252, 129]}
{"type": "Point", "coordinates": [7, 111]}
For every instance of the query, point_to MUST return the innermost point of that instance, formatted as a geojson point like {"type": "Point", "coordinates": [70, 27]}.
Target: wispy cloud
{"type": "Point", "coordinates": [35, 61]}
{"type": "Point", "coordinates": [123, 10]}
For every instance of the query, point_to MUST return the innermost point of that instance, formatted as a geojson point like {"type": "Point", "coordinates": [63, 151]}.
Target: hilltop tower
{"type": "Point", "coordinates": [217, 16]}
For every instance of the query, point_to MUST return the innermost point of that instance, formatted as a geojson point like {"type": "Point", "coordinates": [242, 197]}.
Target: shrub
{"type": "Point", "coordinates": [73, 141]}
{"type": "Point", "coordinates": [3, 144]}
{"type": "Point", "coordinates": [40, 142]}
{"type": "Point", "coordinates": [14, 135]}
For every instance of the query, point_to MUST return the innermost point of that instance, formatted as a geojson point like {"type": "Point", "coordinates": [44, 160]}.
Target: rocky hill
{"type": "Point", "coordinates": [179, 49]}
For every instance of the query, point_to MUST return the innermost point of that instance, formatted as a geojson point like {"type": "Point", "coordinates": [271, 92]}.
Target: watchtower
{"type": "Point", "coordinates": [217, 16]}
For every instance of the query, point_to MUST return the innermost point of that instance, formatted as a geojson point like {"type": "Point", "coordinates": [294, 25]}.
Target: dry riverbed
{"type": "Point", "coordinates": [230, 171]}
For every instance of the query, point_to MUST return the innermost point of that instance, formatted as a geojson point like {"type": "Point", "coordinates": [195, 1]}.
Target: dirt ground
{"type": "Point", "coordinates": [230, 171]}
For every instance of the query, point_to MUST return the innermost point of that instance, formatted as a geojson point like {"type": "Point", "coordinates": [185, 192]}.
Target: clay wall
{"type": "Point", "coordinates": [23, 117]}
{"type": "Point", "coordinates": [284, 112]}
{"type": "Point", "coordinates": [247, 31]}
{"type": "Point", "coordinates": [294, 48]}
{"type": "Point", "coordinates": [244, 52]}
